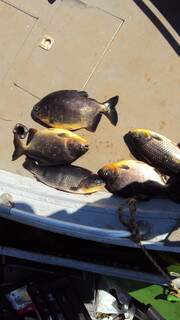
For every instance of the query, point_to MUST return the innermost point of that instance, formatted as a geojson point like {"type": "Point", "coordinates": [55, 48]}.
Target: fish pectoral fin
{"type": "Point", "coordinates": [31, 134]}
{"type": "Point", "coordinates": [18, 148]}
{"type": "Point", "coordinates": [156, 137]}
{"type": "Point", "coordinates": [125, 167]}
{"type": "Point", "coordinates": [62, 135]}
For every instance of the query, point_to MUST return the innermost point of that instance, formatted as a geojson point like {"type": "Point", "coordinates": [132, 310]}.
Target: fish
{"type": "Point", "coordinates": [21, 130]}
{"type": "Point", "coordinates": [50, 146]}
{"type": "Point", "coordinates": [154, 149]}
{"type": "Point", "coordinates": [73, 110]}
{"type": "Point", "coordinates": [128, 178]}
{"type": "Point", "coordinates": [68, 178]}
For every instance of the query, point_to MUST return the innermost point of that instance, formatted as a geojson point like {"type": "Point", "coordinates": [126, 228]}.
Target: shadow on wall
{"type": "Point", "coordinates": [170, 10]}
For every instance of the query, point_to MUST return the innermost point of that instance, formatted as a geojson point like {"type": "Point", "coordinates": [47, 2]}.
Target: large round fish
{"type": "Point", "coordinates": [50, 146]}
{"type": "Point", "coordinates": [66, 178]}
{"type": "Point", "coordinates": [132, 178]}
{"type": "Point", "coordinates": [72, 110]}
{"type": "Point", "coordinates": [154, 149]}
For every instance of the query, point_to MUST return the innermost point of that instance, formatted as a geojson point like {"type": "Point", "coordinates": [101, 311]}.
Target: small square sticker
{"type": "Point", "coordinates": [46, 42]}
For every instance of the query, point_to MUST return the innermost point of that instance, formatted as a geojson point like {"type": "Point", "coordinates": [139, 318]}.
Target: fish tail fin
{"type": "Point", "coordinates": [110, 111]}
{"type": "Point", "coordinates": [19, 149]}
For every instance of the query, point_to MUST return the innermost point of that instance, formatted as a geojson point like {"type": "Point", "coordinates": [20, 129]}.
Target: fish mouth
{"type": "Point", "coordinates": [86, 147]}
{"type": "Point", "coordinates": [34, 116]}
{"type": "Point", "coordinates": [128, 136]}
{"type": "Point", "coordinates": [100, 173]}
{"type": "Point", "coordinates": [91, 189]}
{"type": "Point", "coordinates": [132, 139]}
{"type": "Point", "coordinates": [137, 138]}
{"type": "Point", "coordinates": [103, 174]}
{"type": "Point", "coordinates": [91, 184]}
{"type": "Point", "coordinates": [98, 182]}
{"type": "Point", "coordinates": [133, 145]}
{"type": "Point", "coordinates": [20, 130]}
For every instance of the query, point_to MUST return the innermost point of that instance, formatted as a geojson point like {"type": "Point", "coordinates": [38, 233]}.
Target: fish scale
{"type": "Point", "coordinates": [72, 180]}
{"type": "Point", "coordinates": [162, 155]}
{"type": "Point", "coordinates": [154, 149]}
{"type": "Point", "coordinates": [68, 181]}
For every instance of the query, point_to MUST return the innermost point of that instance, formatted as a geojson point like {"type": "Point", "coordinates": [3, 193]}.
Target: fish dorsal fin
{"type": "Point", "coordinates": [31, 134]}
{"type": "Point", "coordinates": [83, 93]}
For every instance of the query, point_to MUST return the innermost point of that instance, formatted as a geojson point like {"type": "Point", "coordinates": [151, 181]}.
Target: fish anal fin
{"type": "Point", "coordinates": [62, 135]}
{"type": "Point", "coordinates": [73, 188]}
{"type": "Point", "coordinates": [95, 121]}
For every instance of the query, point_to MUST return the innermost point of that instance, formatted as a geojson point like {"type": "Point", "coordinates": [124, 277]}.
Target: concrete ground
{"type": "Point", "coordinates": [124, 47]}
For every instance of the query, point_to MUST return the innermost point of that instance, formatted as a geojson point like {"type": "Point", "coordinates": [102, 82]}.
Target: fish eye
{"type": "Point", "coordinates": [99, 181]}
{"type": "Point", "coordinates": [106, 173]}
{"type": "Point", "coordinates": [36, 108]}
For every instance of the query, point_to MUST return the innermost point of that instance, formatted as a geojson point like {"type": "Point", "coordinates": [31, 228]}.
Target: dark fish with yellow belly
{"type": "Point", "coordinates": [66, 178]}
{"type": "Point", "coordinates": [154, 149]}
{"type": "Point", "coordinates": [50, 146]}
{"type": "Point", "coordinates": [72, 110]}
{"type": "Point", "coordinates": [132, 178]}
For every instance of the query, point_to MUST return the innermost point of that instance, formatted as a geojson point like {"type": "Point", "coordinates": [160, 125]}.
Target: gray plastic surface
{"type": "Point", "coordinates": [93, 217]}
